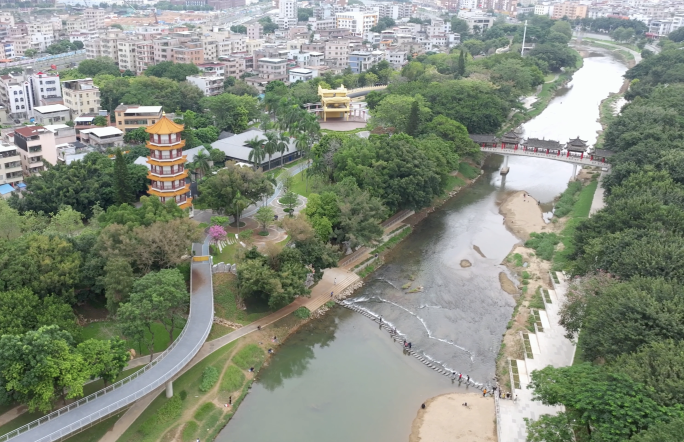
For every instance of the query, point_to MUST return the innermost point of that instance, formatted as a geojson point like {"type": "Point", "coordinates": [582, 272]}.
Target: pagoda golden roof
{"type": "Point", "coordinates": [164, 127]}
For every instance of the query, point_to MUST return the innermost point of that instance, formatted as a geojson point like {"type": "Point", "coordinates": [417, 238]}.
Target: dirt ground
{"type": "Point", "coordinates": [522, 215]}
{"type": "Point", "coordinates": [445, 418]}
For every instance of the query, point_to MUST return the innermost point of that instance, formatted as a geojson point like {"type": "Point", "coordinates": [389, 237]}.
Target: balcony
{"type": "Point", "coordinates": [165, 155]}
{"type": "Point", "coordinates": [180, 175]}
{"type": "Point", "coordinates": [170, 192]}
{"type": "Point", "coordinates": [175, 162]}
{"type": "Point", "coordinates": [165, 186]}
{"type": "Point", "coordinates": [165, 146]}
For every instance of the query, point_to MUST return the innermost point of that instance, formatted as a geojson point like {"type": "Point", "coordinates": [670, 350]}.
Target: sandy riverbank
{"type": "Point", "coordinates": [446, 419]}
{"type": "Point", "coordinates": [522, 215]}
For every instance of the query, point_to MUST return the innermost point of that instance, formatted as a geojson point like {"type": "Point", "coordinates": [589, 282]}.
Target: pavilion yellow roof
{"type": "Point", "coordinates": [164, 127]}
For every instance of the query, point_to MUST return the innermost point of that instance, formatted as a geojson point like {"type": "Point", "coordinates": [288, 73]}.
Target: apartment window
{"type": "Point", "coordinates": [15, 92]}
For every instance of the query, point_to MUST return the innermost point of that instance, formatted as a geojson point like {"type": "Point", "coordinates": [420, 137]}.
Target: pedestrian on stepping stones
{"type": "Point", "coordinates": [468, 379]}
{"type": "Point", "coordinates": [484, 392]}
{"type": "Point", "coordinates": [335, 281]}
{"type": "Point", "coordinates": [460, 376]}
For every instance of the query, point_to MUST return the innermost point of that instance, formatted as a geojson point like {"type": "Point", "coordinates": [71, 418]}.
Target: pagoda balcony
{"type": "Point", "coordinates": [180, 175]}
{"type": "Point", "coordinates": [185, 204]}
{"type": "Point", "coordinates": [174, 162]}
{"type": "Point", "coordinates": [165, 146]}
{"type": "Point", "coordinates": [157, 185]}
{"type": "Point", "coordinates": [180, 190]}
{"type": "Point", "coordinates": [160, 155]}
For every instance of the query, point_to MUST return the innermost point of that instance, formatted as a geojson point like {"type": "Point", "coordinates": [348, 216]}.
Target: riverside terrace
{"type": "Point", "coordinates": [575, 151]}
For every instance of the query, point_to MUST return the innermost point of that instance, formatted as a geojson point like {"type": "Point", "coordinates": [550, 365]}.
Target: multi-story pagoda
{"type": "Point", "coordinates": [167, 163]}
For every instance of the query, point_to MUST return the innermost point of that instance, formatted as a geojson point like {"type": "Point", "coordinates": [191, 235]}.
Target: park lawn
{"type": "Point", "coordinates": [110, 329]}
{"type": "Point", "coordinates": [299, 186]}
{"type": "Point", "coordinates": [549, 77]}
{"type": "Point", "coordinates": [96, 432]}
{"type": "Point", "coordinates": [226, 255]}
{"type": "Point", "coordinates": [187, 388]}
{"type": "Point", "coordinates": [225, 302]}
{"type": "Point", "coordinates": [218, 330]}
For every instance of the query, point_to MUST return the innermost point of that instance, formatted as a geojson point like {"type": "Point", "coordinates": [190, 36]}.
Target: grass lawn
{"type": "Point", "coordinates": [218, 330]}
{"type": "Point", "coordinates": [162, 413]}
{"type": "Point", "coordinates": [226, 305]}
{"type": "Point", "coordinates": [468, 171]}
{"type": "Point", "coordinates": [110, 329]}
{"type": "Point", "coordinates": [87, 390]}
{"type": "Point", "coordinates": [579, 212]}
{"type": "Point", "coordinates": [299, 185]}
{"type": "Point", "coordinates": [96, 432]}
{"type": "Point", "coordinates": [451, 183]}
{"type": "Point", "coordinates": [549, 77]}
{"type": "Point", "coordinates": [226, 255]}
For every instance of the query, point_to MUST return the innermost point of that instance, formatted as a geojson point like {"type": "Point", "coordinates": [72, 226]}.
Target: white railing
{"type": "Point", "coordinates": [551, 156]}
{"type": "Point", "coordinates": [118, 405]}
{"type": "Point", "coordinates": [498, 417]}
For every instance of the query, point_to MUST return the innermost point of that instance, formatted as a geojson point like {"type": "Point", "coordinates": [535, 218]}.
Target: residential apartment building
{"type": "Point", "coordinates": [336, 53]}
{"type": "Point", "coordinates": [127, 55]}
{"type": "Point", "coordinates": [16, 95]}
{"type": "Point", "coordinates": [81, 96]}
{"type": "Point", "coordinates": [11, 171]}
{"type": "Point", "coordinates": [129, 117]}
{"type": "Point", "coordinates": [357, 22]}
{"type": "Point", "coordinates": [287, 14]}
{"type": "Point", "coordinates": [208, 84]}
{"type": "Point", "coordinates": [213, 68]}
{"type": "Point", "coordinates": [188, 55]}
{"type": "Point", "coordinates": [96, 16]}
{"type": "Point", "coordinates": [396, 58]}
{"type": "Point", "coordinates": [395, 11]}
{"type": "Point", "coordinates": [36, 146]}
{"type": "Point", "coordinates": [570, 10]}
{"type": "Point", "coordinates": [255, 31]}
{"type": "Point", "coordinates": [361, 61]}
{"type": "Point", "coordinates": [272, 68]}
{"type": "Point", "coordinates": [302, 74]}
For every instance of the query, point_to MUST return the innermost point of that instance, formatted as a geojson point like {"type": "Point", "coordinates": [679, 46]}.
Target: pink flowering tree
{"type": "Point", "coordinates": [217, 233]}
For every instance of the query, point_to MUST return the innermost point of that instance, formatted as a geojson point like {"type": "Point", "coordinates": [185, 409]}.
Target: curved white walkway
{"type": "Point", "coordinates": [104, 403]}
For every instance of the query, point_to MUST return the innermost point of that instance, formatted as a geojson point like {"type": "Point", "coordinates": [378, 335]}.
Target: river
{"type": "Point", "coordinates": [340, 378]}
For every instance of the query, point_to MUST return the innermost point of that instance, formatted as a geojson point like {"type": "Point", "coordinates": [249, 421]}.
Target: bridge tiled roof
{"type": "Point", "coordinates": [510, 137]}
{"type": "Point", "coordinates": [543, 144]}
{"type": "Point", "coordinates": [577, 145]}
{"type": "Point", "coordinates": [485, 138]}
{"type": "Point", "coordinates": [603, 153]}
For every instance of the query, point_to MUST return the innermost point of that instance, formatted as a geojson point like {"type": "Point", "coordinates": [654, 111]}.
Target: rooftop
{"type": "Point", "coordinates": [164, 127]}
{"type": "Point", "coordinates": [235, 146]}
{"type": "Point", "coordinates": [103, 131]}
{"type": "Point", "coordinates": [29, 131]}
{"type": "Point", "coordinates": [139, 109]}
{"type": "Point", "coordinates": [5, 189]}
{"type": "Point", "coordinates": [51, 108]}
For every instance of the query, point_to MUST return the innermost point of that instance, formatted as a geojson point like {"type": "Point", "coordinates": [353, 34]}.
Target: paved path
{"type": "Point", "coordinates": [597, 203]}
{"type": "Point", "coordinates": [549, 347]}
{"type": "Point", "coordinates": [122, 394]}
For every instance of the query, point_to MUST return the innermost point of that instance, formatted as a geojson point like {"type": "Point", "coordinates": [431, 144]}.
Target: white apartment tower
{"type": "Point", "coordinates": [287, 17]}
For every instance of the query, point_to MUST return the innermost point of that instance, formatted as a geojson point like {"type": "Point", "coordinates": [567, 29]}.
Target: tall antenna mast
{"type": "Point", "coordinates": [522, 51]}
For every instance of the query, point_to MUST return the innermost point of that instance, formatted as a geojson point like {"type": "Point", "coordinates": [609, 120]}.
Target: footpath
{"type": "Point", "coordinates": [547, 346]}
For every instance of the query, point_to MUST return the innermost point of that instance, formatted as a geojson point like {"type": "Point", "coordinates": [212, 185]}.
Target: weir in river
{"type": "Point", "coordinates": [342, 378]}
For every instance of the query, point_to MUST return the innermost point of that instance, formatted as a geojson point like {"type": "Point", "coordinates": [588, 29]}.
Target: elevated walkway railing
{"type": "Point", "coordinates": [586, 160]}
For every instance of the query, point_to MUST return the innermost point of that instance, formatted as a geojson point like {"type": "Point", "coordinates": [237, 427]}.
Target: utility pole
{"type": "Point", "coordinates": [522, 51]}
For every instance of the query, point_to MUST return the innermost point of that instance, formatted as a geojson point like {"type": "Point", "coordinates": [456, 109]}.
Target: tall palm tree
{"type": "Point", "coordinates": [302, 144]}
{"type": "Point", "coordinates": [201, 163]}
{"type": "Point", "coordinates": [271, 145]}
{"type": "Point", "coordinates": [257, 154]}
{"type": "Point", "coordinates": [283, 145]}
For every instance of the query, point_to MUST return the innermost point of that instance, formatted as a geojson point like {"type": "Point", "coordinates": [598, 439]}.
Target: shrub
{"type": "Point", "coordinates": [189, 431]}
{"type": "Point", "coordinates": [219, 220]}
{"type": "Point", "coordinates": [544, 244]}
{"type": "Point", "coordinates": [210, 376]}
{"type": "Point", "coordinates": [233, 378]}
{"type": "Point", "coordinates": [567, 199]}
{"type": "Point", "coordinates": [183, 394]}
{"type": "Point", "coordinates": [302, 313]}
{"type": "Point", "coordinates": [249, 356]}
{"type": "Point", "coordinates": [536, 301]}
{"type": "Point", "coordinates": [203, 411]}
{"type": "Point", "coordinates": [516, 259]}
{"type": "Point", "coordinates": [246, 234]}
{"type": "Point", "coordinates": [330, 304]}
{"type": "Point", "coordinates": [147, 427]}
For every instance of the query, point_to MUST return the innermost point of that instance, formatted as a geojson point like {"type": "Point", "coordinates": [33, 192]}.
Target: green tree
{"type": "Point", "coordinates": [257, 154]}
{"type": "Point", "coordinates": [105, 359]}
{"type": "Point", "coordinates": [461, 64]}
{"type": "Point", "coordinates": [66, 222]}
{"type": "Point", "coordinates": [201, 163]}
{"type": "Point", "coordinates": [239, 29]}
{"type": "Point", "coordinates": [414, 119]}
{"type": "Point", "coordinates": [136, 136]}
{"type": "Point", "coordinates": [265, 216]}
{"type": "Point", "coordinates": [150, 210]}
{"type": "Point", "coordinates": [230, 112]}
{"type": "Point", "coordinates": [673, 430]}
{"type": "Point", "coordinates": [174, 71]}
{"type": "Point", "coordinates": [611, 407]}
{"type": "Point", "coordinates": [44, 264]}
{"type": "Point", "coordinates": [30, 53]}
{"type": "Point", "coordinates": [230, 185]}
{"type": "Point", "coordinates": [22, 311]}
{"type": "Point", "coordinates": [395, 111]}
{"type": "Point", "coordinates": [11, 221]}
{"type": "Point", "coordinates": [99, 65]}
{"type": "Point", "coordinates": [122, 189]}
{"type": "Point", "coordinates": [156, 297]}
{"type": "Point", "coordinates": [118, 283]}
{"type": "Point", "coordinates": [100, 121]}
{"type": "Point", "coordinates": [39, 366]}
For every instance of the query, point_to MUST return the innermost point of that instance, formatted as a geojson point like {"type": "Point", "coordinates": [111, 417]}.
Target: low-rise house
{"type": "Point", "coordinates": [52, 114]}
{"type": "Point", "coordinates": [103, 137]}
